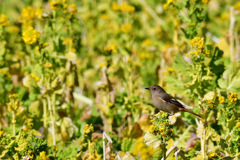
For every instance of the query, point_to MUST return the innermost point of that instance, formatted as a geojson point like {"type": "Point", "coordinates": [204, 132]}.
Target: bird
{"type": "Point", "coordinates": [165, 102]}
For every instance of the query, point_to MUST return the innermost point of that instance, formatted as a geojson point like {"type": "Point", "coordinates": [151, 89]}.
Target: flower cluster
{"type": "Point", "coordinates": [221, 99]}
{"type": "Point", "coordinates": [124, 7]}
{"type": "Point", "coordinates": [29, 14]}
{"type": "Point", "coordinates": [111, 48]}
{"type": "Point", "coordinates": [205, 1]}
{"type": "Point", "coordinates": [232, 97]}
{"type": "Point", "coordinates": [126, 28]}
{"type": "Point", "coordinates": [212, 155]}
{"type": "Point", "coordinates": [165, 6]}
{"type": "Point", "coordinates": [197, 44]}
{"type": "Point", "coordinates": [72, 9]}
{"type": "Point", "coordinates": [36, 78]}
{"type": "Point", "coordinates": [3, 20]}
{"type": "Point", "coordinates": [143, 151]}
{"type": "Point", "coordinates": [88, 128]}
{"type": "Point", "coordinates": [238, 124]}
{"type": "Point", "coordinates": [161, 125]}
{"type": "Point", "coordinates": [30, 35]}
{"type": "Point", "coordinates": [55, 4]}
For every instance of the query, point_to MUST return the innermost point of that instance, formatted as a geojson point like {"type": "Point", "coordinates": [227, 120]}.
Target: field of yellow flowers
{"type": "Point", "coordinates": [73, 73]}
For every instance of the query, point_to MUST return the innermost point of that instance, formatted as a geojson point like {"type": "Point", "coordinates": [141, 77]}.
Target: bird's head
{"type": "Point", "coordinates": [155, 89]}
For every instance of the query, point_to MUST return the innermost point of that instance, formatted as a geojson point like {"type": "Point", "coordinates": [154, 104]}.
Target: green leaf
{"type": "Point", "coordinates": [128, 144]}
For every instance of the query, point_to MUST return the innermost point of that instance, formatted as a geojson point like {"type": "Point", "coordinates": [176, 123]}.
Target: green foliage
{"type": "Point", "coordinates": [70, 70]}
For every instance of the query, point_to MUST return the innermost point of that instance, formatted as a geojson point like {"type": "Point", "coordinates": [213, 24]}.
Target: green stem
{"type": "Point", "coordinates": [203, 140]}
{"type": "Point", "coordinates": [52, 119]}
{"type": "Point", "coordinates": [44, 113]}
{"type": "Point", "coordinates": [14, 122]}
{"type": "Point", "coordinates": [164, 150]}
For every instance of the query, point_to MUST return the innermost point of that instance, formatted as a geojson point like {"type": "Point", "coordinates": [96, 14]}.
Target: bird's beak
{"type": "Point", "coordinates": [147, 88]}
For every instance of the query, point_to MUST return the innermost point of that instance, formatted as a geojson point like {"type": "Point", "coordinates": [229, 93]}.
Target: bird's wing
{"type": "Point", "coordinates": [168, 98]}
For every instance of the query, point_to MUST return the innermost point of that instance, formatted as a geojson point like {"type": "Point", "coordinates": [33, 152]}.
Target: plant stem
{"type": "Point", "coordinates": [52, 120]}
{"type": "Point", "coordinates": [164, 150]}
{"type": "Point", "coordinates": [14, 122]}
{"type": "Point", "coordinates": [203, 140]}
{"type": "Point", "coordinates": [44, 113]}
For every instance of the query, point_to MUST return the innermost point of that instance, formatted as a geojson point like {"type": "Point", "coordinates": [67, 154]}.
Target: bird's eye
{"type": "Point", "coordinates": [154, 88]}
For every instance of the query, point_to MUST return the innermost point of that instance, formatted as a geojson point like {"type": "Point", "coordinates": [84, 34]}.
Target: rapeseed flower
{"type": "Point", "coordinates": [221, 99]}
{"type": "Point", "coordinates": [112, 48]}
{"type": "Point", "coordinates": [43, 155]}
{"type": "Point", "coordinates": [3, 20]}
{"type": "Point", "coordinates": [37, 79]}
{"type": "Point", "coordinates": [88, 128]}
{"type": "Point", "coordinates": [124, 7]}
{"type": "Point", "coordinates": [165, 6]}
{"type": "Point", "coordinates": [55, 4]}
{"type": "Point", "coordinates": [145, 56]}
{"type": "Point", "coordinates": [1, 133]}
{"type": "Point", "coordinates": [48, 65]}
{"type": "Point", "coordinates": [30, 35]}
{"type": "Point", "coordinates": [205, 1]}
{"type": "Point", "coordinates": [126, 28]}
{"type": "Point", "coordinates": [212, 154]}
{"type": "Point", "coordinates": [28, 13]}
{"type": "Point", "coordinates": [232, 97]}
{"type": "Point", "coordinates": [197, 42]}
{"type": "Point", "coordinates": [72, 9]}
{"type": "Point", "coordinates": [238, 125]}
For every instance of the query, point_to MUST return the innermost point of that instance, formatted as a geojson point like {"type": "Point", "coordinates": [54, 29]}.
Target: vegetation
{"type": "Point", "coordinates": [73, 73]}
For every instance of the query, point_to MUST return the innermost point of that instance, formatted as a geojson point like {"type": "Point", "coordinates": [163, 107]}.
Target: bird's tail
{"type": "Point", "coordinates": [186, 110]}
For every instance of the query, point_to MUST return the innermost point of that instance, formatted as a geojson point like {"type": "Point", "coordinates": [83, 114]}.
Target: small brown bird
{"type": "Point", "coordinates": [166, 102]}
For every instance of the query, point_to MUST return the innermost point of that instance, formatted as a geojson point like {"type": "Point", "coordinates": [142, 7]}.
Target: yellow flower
{"type": "Point", "coordinates": [1, 133]}
{"type": "Point", "coordinates": [112, 48]}
{"type": "Point", "coordinates": [127, 8]}
{"type": "Point", "coordinates": [72, 9]}
{"type": "Point", "coordinates": [43, 155]}
{"type": "Point", "coordinates": [207, 52]}
{"type": "Point", "coordinates": [221, 99]}
{"type": "Point", "coordinates": [37, 79]}
{"type": "Point", "coordinates": [30, 35]}
{"type": "Point", "coordinates": [54, 4]}
{"type": "Point", "coordinates": [197, 42]}
{"type": "Point", "coordinates": [110, 104]}
{"type": "Point", "coordinates": [170, 69]}
{"type": "Point", "coordinates": [211, 155]}
{"type": "Point", "coordinates": [232, 97]}
{"type": "Point", "coordinates": [28, 13]}
{"type": "Point", "coordinates": [48, 65]}
{"type": "Point", "coordinates": [115, 6]}
{"type": "Point", "coordinates": [38, 13]}
{"type": "Point", "coordinates": [151, 128]}
{"type": "Point", "coordinates": [126, 28]}
{"type": "Point", "coordinates": [146, 43]}
{"type": "Point", "coordinates": [165, 6]}
{"type": "Point", "coordinates": [161, 129]}
{"type": "Point", "coordinates": [238, 125]}
{"type": "Point", "coordinates": [88, 128]}
{"type": "Point", "coordinates": [3, 20]}
{"type": "Point", "coordinates": [124, 7]}
{"type": "Point", "coordinates": [237, 6]}
{"type": "Point", "coordinates": [205, 1]}
{"type": "Point", "coordinates": [194, 53]}
{"type": "Point", "coordinates": [145, 56]}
